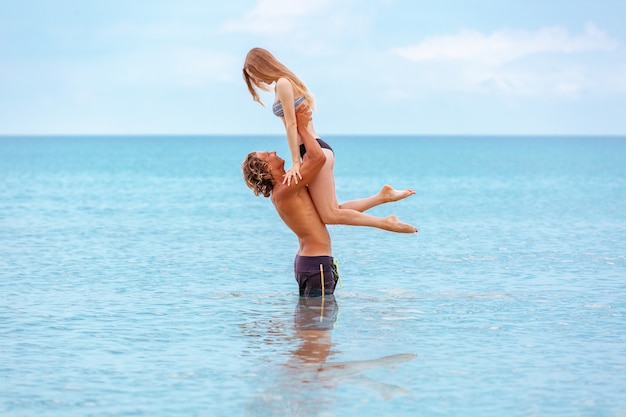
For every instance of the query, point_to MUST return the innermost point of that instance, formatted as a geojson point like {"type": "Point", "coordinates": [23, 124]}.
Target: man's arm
{"type": "Point", "coordinates": [315, 156]}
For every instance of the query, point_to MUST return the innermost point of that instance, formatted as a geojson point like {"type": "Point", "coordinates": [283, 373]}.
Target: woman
{"type": "Point", "coordinates": [261, 70]}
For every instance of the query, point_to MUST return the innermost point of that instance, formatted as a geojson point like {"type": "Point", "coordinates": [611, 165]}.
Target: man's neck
{"type": "Point", "coordinates": [278, 175]}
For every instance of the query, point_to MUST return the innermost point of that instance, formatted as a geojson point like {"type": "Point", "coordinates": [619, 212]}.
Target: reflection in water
{"type": "Point", "coordinates": [305, 384]}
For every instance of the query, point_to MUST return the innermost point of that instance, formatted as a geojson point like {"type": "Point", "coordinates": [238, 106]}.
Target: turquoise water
{"type": "Point", "coordinates": [139, 276]}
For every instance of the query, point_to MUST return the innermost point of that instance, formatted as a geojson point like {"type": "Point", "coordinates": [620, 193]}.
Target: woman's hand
{"type": "Point", "coordinates": [294, 172]}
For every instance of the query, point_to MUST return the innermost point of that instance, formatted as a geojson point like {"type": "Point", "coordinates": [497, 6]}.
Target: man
{"type": "Point", "coordinates": [315, 270]}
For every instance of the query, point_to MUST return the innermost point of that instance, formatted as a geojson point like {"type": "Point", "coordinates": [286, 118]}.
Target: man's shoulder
{"type": "Point", "coordinates": [284, 192]}
{"type": "Point", "coordinates": [281, 191]}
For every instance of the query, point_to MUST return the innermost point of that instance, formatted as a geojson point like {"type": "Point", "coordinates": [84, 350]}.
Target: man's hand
{"type": "Point", "coordinates": [303, 116]}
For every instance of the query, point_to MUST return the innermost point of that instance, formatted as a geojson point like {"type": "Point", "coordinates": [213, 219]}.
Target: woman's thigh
{"type": "Point", "coordinates": [322, 188]}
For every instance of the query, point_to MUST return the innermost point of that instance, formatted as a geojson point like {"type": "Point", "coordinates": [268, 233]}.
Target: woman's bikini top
{"type": "Point", "coordinates": [277, 107]}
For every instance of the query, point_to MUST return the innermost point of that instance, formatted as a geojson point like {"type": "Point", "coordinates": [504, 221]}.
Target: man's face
{"type": "Point", "coordinates": [274, 160]}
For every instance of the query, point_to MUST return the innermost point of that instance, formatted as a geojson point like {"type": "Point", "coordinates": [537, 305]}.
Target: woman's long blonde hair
{"type": "Point", "coordinates": [263, 66]}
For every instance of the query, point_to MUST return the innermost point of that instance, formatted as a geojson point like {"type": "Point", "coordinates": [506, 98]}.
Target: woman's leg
{"type": "Point", "coordinates": [322, 190]}
{"type": "Point", "coordinates": [387, 194]}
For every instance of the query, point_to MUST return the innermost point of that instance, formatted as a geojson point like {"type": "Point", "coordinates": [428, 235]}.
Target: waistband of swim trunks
{"type": "Point", "coordinates": [306, 262]}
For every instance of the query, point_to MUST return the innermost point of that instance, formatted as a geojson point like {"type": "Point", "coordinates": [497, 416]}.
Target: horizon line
{"type": "Point", "coordinates": [4, 135]}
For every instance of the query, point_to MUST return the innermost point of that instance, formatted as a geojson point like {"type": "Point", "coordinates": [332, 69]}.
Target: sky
{"type": "Point", "coordinates": [407, 67]}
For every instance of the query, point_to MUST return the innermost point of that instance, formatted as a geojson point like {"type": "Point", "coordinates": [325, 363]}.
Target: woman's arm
{"type": "Point", "coordinates": [315, 156]}
{"type": "Point", "coordinates": [284, 93]}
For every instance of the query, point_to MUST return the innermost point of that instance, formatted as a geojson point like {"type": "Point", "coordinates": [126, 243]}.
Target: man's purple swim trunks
{"type": "Point", "coordinates": [308, 275]}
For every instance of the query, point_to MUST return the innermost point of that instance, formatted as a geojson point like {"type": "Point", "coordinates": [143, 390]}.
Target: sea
{"type": "Point", "coordinates": [139, 276]}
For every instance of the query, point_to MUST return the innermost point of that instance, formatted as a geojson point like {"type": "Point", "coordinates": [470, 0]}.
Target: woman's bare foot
{"type": "Point", "coordinates": [393, 224]}
{"type": "Point", "coordinates": [389, 194]}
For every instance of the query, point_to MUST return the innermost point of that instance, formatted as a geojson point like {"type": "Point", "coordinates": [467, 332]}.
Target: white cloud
{"type": "Point", "coordinates": [506, 45]}
{"type": "Point", "coordinates": [271, 17]}
{"type": "Point", "coordinates": [549, 62]}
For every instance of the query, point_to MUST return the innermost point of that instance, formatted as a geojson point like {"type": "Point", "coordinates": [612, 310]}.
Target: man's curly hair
{"type": "Point", "coordinates": [257, 175]}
